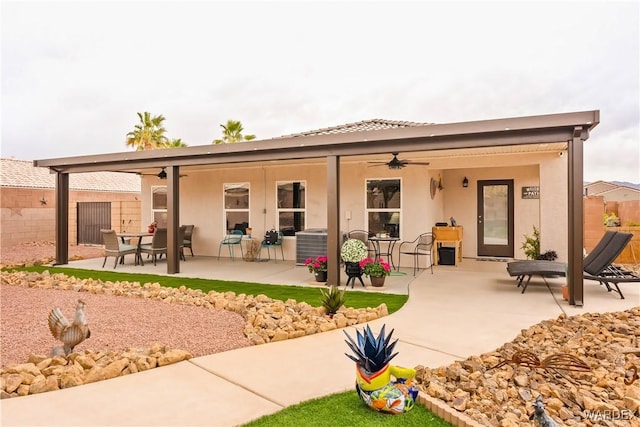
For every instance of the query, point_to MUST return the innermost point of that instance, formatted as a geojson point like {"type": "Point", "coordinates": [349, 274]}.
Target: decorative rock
{"type": "Point", "coordinates": [173, 356]}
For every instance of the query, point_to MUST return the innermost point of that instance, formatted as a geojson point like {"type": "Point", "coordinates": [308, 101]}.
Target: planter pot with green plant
{"type": "Point", "coordinates": [375, 270]}
{"type": "Point", "coordinates": [531, 247]}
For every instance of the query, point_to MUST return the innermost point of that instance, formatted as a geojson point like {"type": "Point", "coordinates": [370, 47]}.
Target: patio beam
{"type": "Point", "coordinates": [62, 218]}
{"type": "Point", "coordinates": [575, 277]}
{"type": "Point", "coordinates": [173, 219]}
{"type": "Point", "coordinates": [333, 220]}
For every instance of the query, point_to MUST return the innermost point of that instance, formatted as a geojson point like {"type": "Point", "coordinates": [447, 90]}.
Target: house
{"type": "Point", "coordinates": [96, 200]}
{"type": "Point", "coordinates": [497, 178]}
{"type": "Point", "coordinates": [612, 192]}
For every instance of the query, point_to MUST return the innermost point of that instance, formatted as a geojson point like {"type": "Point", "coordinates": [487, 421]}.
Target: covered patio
{"type": "Point", "coordinates": [548, 133]}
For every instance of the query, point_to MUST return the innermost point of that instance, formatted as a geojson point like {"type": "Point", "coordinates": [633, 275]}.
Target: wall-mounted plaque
{"type": "Point", "coordinates": [531, 192]}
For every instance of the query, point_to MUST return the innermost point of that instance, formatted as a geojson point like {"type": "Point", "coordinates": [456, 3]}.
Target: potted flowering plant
{"type": "Point", "coordinates": [318, 266]}
{"type": "Point", "coordinates": [152, 227]}
{"type": "Point", "coordinates": [352, 252]}
{"type": "Point", "coordinates": [377, 270]}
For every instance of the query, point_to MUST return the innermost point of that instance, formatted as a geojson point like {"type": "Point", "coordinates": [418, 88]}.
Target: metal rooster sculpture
{"type": "Point", "coordinates": [71, 334]}
{"type": "Point", "coordinates": [373, 373]}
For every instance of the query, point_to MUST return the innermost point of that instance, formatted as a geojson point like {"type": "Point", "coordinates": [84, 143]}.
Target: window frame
{"type": "Point", "coordinates": [280, 210]}
{"type": "Point", "coordinates": [155, 210]}
{"type": "Point", "coordinates": [368, 210]}
{"type": "Point", "coordinates": [225, 210]}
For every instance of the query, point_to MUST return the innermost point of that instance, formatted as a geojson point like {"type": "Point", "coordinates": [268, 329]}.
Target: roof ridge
{"type": "Point", "coordinates": [362, 125]}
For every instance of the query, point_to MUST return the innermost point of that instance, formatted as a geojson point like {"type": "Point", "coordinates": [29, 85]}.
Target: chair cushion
{"type": "Point", "coordinates": [125, 247]}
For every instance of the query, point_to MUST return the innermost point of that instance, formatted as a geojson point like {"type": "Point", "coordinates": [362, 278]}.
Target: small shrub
{"type": "Point", "coordinates": [332, 299]}
{"type": "Point", "coordinates": [531, 245]}
{"type": "Point", "coordinates": [548, 256]}
{"type": "Point", "coordinates": [611, 220]}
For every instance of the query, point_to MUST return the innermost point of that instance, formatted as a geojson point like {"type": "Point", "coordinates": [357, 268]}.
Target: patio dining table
{"type": "Point", "coordinates": [391, 242]}
{"type": "Point", "coordinates": [140, 235]}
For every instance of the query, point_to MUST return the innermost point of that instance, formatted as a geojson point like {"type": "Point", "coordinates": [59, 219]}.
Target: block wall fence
{"type": "Point", "coordinates": [28, 215]}
{"type": "Point", "coordinates": [594, 228]}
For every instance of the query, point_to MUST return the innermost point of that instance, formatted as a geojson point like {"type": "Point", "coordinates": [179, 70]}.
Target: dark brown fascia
{"type": "Point", "coordinates": [497, 132]}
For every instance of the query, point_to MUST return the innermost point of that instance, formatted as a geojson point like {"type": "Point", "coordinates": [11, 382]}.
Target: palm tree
{"type": "Point", "coordinates": [149, 134]}
{"type": "Point", "coordinates": [176, 143]}
{"type": "Point", "coordinates": [232, 132]}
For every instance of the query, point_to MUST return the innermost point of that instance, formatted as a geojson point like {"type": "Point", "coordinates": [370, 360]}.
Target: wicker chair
{"type": "Point", "coordinates": [158, 245]}
{"type": "Point", "coordinates": [113, 247]}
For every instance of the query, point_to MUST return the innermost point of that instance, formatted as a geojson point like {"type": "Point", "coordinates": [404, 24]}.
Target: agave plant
{"type": "Point", "coordinates": [332, 299]}
{"type": "Point", "coordinates": [371, 353]}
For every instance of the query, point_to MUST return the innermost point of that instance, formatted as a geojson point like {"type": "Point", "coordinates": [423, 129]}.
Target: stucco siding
{"type": "Point", "coordinates": [201, 198]}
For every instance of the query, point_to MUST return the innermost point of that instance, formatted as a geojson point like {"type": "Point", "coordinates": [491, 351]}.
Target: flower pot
{"type": "Point", "coordinates": [321, 276]}
{"type": "Point", "coordinates": [377, 281]}
{"type": "Point", "coordinates": [352, 269]}
{"type": "Point", "coordinates": [565, 292]}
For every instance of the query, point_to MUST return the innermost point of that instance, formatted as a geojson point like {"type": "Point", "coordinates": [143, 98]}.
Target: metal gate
{"type": "Point", "coordinates": [93, 216]}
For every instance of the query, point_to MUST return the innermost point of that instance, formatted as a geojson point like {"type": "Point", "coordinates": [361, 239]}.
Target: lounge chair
{"type": "Point", "coordinates": [602, 269]}
{"type": "Point", "coordinates": [598, 265]}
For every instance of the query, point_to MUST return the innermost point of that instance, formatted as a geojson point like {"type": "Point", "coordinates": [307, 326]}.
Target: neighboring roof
{"type": "Point", "coordinates": [22, 174]}
{"type": "Point", "coordinates": [608, 187]}
{"type": "Point", "coordinates": [365, 125]}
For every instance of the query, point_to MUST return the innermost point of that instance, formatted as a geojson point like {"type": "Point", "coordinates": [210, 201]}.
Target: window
{"type": "Point", "coordinates": [291, 206]}
{"type": "Point", "coordinates": [236, 206]}
{"type": "Point", "coordinates": [159, 206]}
{"type": "Point", "coordinates": [383, 206]}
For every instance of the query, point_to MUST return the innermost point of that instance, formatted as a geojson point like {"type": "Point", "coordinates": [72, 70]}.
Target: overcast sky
{"type": "Point", "coordinates": [74, 74]}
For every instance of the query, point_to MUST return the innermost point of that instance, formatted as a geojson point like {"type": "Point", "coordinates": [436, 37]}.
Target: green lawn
{"type": "Point", "coordinates": [280, 292]}
{"type": "Point", "coordinates": [345, 409]}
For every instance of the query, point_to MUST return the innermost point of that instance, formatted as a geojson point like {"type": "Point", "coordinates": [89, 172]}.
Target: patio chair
{"type": "Point", "coordinates": [420, 246]}
{"type": "Point", "coordinates": [181, 233]}
{"type": "Point", "coordinates": [158, 245]}
{"type": "Point", "coordinates": [601, 268]}
{"type": "Point", "coordinates": [233, 238]}
{"type": "Point", "coordinates": [265, 244]}
{"type": "Point", "coordinates": [113, 247]}
{"type": "Point", "coordinates": [188, 237]}
{"type": "Point", "coordinates": [597, 265]}
{"type": "Point", "coordinates": [528, 268]}
{"type": "Point", "coordinates": [363, 236]}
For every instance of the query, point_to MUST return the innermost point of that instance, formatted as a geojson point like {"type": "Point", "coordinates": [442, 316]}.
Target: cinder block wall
{"type": "Point", "coordinates": [629, 211]}
{"type": "Point", "coordinates": [594, 209]}
{"type": "Point", "coordinates": [28, 215]}
{"type": "Point", "coordinates": [594, 228]}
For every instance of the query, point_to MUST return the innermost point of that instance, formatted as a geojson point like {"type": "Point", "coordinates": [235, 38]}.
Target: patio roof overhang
{"type": "Point", "coordinates": [570, 128]}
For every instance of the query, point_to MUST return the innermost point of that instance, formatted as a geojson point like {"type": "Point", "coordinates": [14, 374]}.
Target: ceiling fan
{"type": "Point", "coordinates": [396, 163]}
{"type": "Point", "coordinates": [162, 174]}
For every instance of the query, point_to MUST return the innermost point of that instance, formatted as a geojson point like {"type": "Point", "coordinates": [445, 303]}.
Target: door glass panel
{"type": "Point", "coordinates": [496, 214]}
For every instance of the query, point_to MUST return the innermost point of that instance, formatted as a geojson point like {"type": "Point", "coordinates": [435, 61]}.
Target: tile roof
{"type": "Point", "coordinates": [22, 174]}
{"type": "Point", "coordinates": [365, 125]}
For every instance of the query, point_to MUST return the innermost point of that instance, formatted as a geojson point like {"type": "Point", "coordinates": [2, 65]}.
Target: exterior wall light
{"type": "Point", "coordinates": [465, 182]}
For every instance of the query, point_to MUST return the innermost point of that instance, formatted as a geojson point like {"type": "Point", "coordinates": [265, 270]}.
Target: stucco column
{"type": "Point", "coordinates": [333, 220]}
{"type": "Point", "coordinates": [62, 218]}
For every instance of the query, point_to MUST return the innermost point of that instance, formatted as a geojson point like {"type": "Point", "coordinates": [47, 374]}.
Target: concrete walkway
{"type": "Point", "coordinates": [455, 313]}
